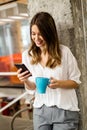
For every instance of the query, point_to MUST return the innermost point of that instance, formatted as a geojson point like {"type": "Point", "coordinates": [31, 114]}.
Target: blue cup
{"type": "Point", "coordinates": [41, 84]}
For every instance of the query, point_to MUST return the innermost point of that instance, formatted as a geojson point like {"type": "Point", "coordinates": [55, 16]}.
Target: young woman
{"type": "Point", "coordinates": [57, 109]}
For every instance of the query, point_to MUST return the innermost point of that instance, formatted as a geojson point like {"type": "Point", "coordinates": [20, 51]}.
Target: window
{"type": "Point", "coordinates": [14, 39]}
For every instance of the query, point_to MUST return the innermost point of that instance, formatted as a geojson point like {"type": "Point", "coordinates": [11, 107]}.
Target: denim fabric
{"type": "Point", "coordinates": [53, 118]}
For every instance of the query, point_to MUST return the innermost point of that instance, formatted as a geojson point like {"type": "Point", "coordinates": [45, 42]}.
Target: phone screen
{"type": "Point", "coordinates": [24, 68]}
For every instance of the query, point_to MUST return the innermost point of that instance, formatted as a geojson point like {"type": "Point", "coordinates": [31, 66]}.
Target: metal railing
{"type": "Point", "coordinates": [13, 101]}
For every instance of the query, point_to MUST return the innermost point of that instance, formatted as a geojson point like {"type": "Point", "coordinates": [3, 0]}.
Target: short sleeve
{"type": "Point", "coordinates": [32, 92]}
{"type": "Point", "coordinates": [73, 70]}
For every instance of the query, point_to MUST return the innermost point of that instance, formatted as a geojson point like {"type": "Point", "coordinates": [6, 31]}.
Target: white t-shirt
{"type": "Point", "coordinates": [62, 98]}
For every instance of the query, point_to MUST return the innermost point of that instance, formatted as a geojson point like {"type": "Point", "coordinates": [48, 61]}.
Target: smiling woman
{"type": "Point", "coordinates": [55, 64]}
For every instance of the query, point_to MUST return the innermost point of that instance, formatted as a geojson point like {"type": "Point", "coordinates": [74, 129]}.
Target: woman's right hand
{"type": "Point", "coordinates": [23, 76]}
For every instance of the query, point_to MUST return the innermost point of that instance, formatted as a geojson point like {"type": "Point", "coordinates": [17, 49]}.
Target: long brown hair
{"type": "Point", "coordinates": [47, 28]}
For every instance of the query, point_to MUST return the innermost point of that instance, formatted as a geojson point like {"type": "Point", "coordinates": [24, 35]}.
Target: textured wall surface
{"type": "Point", "coordinates": [80, 26]}
{"type": "Point", "coordinates": [70, 17]}
{"type": "Point", "coordinates": [59, 8]}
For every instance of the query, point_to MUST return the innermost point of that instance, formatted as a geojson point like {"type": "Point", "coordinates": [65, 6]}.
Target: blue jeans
{"type": "Point", "coordinates": [53, 118]}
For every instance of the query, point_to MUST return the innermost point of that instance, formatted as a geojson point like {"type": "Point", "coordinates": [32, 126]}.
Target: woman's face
{"type": "Point", "coordinates": [37, 37]}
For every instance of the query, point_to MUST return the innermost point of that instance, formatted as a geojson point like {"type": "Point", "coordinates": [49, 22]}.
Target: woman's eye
{"type": "Point", "coordinates": [33, 33]}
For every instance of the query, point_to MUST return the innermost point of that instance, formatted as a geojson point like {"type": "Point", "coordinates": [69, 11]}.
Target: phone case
{"type": "Point", "coordinates": [24, 68]}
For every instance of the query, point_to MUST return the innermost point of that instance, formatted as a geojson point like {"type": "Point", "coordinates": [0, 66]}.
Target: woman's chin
{"type": "Point", "coordinates": [39, 45]}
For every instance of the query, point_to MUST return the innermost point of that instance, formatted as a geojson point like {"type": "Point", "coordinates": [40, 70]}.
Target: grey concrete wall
{"type": "Point", "coordinates": [70, 17]}
{"type": "Point", "coordinates": [80, 28]}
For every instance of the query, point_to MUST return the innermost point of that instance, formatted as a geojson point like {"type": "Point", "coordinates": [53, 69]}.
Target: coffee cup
{"type": "Point", "coordinates": [41, 84]}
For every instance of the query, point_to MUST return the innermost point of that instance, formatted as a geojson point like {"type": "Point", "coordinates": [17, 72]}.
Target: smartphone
{"type": "Point", "coordinates": [20, 65]}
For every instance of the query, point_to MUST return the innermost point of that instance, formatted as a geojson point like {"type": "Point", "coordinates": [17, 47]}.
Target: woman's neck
{"type": "Point", "coordinates": [44, 58]}
{"type": "Point", "coordinates": [44, 50]}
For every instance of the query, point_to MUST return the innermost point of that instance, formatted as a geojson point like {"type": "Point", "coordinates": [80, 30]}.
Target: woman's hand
{"type": "Point", "coordinates": [23, 76]}
{"type": "Point", "coordinates": [65, 84]}
{"type": "Point", "coordinates": [53, 83]}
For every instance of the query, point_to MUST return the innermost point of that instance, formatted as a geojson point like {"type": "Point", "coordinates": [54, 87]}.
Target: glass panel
{"type": "Point", "coordinates": [14, 39]}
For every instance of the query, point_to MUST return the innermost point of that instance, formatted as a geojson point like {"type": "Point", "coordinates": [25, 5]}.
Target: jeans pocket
{"type": "Point", "coordinates": [38, 111]}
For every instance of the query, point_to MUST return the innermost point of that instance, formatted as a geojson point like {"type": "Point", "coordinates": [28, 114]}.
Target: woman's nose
{"type": "Point", "coordinates": [37, 37]}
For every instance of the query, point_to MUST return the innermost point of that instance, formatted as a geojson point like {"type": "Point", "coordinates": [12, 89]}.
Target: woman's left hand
{"type": "Point", "coordinates": [64, 84]}
{"type": "Point", "coordinates": [54, 83]}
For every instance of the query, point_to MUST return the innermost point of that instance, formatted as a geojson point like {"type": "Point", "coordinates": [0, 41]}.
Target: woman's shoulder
{"type": "Point", "coordinates": [66, 53]}
{"type": "Point", "coordinates": [64, 48]}
{"type": "Point", "coordinates": [25, 57]}
{"type": "Point", "coordinates": [25, 52]}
